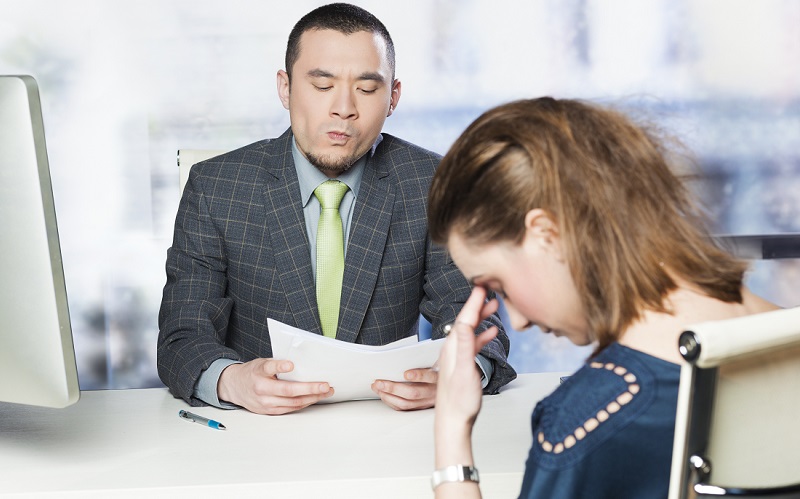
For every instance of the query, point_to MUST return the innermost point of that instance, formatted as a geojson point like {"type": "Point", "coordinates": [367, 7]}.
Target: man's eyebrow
{"type": "Point", "coordinates": [365, 76]}
{"type": "Point", "coordinates": [319, 73]}
{"type": "Point", "coordinates": [372, 76]}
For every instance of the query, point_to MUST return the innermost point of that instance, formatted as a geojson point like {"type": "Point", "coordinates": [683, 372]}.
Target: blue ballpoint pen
{"type": "Point", "coordinates": [201, 420]}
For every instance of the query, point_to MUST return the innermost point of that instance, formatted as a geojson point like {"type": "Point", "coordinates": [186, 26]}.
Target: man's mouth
{"type": "Point", "coordinates": [338, 136]}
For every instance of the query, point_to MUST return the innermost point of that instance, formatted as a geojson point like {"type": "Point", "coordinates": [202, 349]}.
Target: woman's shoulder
{"type": "Point", "coordinates": [597, 403]}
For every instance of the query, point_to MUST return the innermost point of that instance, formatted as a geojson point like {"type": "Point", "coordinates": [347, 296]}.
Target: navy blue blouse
{"type": "Point", "coordinates": [606, 431]}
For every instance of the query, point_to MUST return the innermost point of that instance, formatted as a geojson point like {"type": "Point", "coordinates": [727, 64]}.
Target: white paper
{"type": "Point", "coordinates": [350, 368]}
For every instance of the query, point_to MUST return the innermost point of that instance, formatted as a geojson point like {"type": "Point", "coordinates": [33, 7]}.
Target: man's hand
{"type": "Point", "coordinates": [254, 385]}
{"type": "Point", "coordinates": [417, 392]}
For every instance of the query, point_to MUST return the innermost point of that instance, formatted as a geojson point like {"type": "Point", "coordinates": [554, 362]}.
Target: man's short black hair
{"type": "Point", "coordinates": [341, 17]}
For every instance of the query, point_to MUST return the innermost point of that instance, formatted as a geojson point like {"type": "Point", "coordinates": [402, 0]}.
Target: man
{"type": "Point", "coordinates": [246, 245]}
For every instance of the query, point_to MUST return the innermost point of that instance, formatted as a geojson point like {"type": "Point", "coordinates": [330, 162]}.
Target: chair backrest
{"type": "Point", "coordinates": [736, 428]}
{"type": "Point", "coordinates": [188, 158]}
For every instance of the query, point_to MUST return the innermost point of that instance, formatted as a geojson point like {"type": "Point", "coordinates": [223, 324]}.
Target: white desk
{"type": "Point", "coordinates": [131, 443]}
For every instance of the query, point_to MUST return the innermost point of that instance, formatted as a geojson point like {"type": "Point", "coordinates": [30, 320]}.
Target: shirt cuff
{"type": "Point", "coordinates": [486, 367]}
{"type": "Point", "coordinates": [206, 387]}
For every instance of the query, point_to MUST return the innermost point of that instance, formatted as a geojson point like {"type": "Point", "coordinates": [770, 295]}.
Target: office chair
{"type": "Point", "coordinates": [188, 158]}
{"type": "Point", "coordinates": [736, 428]}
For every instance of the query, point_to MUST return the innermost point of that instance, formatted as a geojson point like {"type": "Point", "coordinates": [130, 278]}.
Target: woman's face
{"type": "Point", "coordinates": [532, 277]}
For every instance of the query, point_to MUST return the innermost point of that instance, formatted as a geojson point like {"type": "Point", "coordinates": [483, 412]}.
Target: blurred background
{"type": "Point", "coordinates": [126, 84]}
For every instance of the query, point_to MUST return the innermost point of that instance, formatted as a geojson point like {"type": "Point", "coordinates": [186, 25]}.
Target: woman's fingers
{"type": "Point", "coordinates": [484, 338]}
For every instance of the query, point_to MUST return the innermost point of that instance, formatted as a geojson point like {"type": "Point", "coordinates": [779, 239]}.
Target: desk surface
{"type": "Point", "coordinates": [129, 443]}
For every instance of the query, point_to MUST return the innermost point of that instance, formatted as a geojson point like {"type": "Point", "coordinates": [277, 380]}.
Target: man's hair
{"type": "Point", "coordinates": [342, 17]}
{"type": "Point", "coordinates": [628, 224]}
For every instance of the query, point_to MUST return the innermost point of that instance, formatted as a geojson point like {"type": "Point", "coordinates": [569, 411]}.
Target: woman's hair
{"type": "Point", "coordinates": [628, 225]}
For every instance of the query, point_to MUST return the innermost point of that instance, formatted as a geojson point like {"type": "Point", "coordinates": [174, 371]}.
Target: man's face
{"type": "Point", "coordinates": [340, 95]}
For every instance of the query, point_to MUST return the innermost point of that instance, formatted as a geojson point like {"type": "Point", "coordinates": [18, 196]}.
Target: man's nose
{"type": "Point", "coordinates": [344, 104]}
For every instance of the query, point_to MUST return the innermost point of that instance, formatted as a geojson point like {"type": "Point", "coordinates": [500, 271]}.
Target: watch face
{"type": "Point", "coordinates": [455, 473]}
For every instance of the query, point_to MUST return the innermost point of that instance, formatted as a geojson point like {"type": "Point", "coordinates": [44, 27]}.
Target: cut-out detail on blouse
{"type": "Point", "coordinates": [601, 416]}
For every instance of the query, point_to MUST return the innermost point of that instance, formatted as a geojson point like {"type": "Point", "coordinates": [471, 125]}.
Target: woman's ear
{"type": "Point", "coordinates": [543, 231]}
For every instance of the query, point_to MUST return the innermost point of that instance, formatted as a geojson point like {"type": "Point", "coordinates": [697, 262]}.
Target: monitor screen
{"type": "Point", "coordinates": [37, 359]}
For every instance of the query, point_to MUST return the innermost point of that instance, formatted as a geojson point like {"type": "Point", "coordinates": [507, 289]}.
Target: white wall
{"type": "Point", "coordinates": [125, 84]}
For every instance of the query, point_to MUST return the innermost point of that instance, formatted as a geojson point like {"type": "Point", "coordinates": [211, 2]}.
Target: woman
{"type": "Point", "coordinates": [571, 213]}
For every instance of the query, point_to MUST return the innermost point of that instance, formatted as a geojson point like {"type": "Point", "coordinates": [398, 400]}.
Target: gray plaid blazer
{"type": "Point", "coordinates": [240, 255]}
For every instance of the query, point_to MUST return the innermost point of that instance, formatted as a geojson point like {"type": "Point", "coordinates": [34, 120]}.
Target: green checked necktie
{"type": "Point", "coordinates": [330, 254]}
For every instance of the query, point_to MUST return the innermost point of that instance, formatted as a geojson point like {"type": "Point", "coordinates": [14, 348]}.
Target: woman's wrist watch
{"type": "Point", "coordinates": [455, 473]}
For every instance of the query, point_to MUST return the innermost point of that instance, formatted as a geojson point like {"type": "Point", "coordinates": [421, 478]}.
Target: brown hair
{"type": "Point", "coordinates": [627, 221]}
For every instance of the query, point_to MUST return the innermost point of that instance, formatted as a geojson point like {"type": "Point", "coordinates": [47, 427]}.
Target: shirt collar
{"type": "Point", "coordinates": [310, 177]}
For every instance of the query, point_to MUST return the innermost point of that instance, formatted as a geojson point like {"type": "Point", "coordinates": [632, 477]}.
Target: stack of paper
{"type": "Point", "coordinates": [350, 368]}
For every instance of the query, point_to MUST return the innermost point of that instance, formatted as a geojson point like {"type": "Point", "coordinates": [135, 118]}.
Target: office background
{"type": "Point", "coordinates": [126, 84]}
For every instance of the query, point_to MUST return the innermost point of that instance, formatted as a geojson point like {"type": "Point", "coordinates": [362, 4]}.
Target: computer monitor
{"type": "Point", "coordinates": [37, 359]}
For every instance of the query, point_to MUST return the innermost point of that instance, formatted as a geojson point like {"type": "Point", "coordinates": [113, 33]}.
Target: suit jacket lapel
{"type": "Point", "coordinates": [287, 228]}
{"type": "Point", "coordinates": [368, 234]}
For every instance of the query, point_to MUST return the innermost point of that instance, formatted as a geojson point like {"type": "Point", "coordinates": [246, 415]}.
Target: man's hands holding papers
{"type": "Point", "coordinates": [398, 373]}
{"type": "Point", "coordinates": [254, 385]}
{"type": "Point", "coordinates": [417, 392]}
